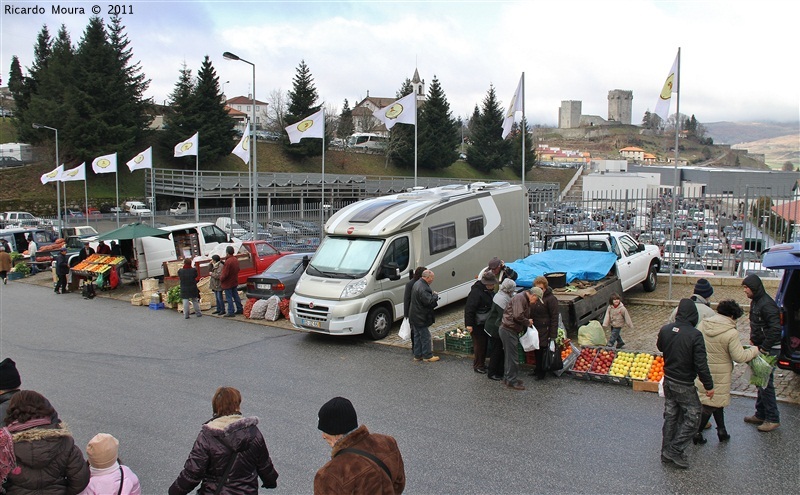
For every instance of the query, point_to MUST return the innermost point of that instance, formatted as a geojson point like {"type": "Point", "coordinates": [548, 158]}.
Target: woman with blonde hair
{"type": "Point", "coordinates": [229, 455]}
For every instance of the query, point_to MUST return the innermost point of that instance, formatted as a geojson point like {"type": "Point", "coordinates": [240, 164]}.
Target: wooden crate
{"type": "Point", "coordinates": [645, 386]}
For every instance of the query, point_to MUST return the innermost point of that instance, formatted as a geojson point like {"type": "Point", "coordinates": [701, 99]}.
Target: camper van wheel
{"type": "Point", "coordinates": [651, 281]}
{"type": "Point", "coordinates": [379, 321]}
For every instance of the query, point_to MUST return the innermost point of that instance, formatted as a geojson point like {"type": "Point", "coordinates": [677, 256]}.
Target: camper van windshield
{"type": "Point", "coordinates": [343, 257]}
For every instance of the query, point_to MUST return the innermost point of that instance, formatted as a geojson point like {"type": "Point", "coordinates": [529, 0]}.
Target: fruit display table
{"type": "Point", "coordinates": [608, 365]}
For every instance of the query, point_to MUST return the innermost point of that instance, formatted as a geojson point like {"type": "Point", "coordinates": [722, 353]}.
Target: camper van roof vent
{"type": "Point", "coordinates": [370, 211]}
{"type": "Point", "coordinates": [453, 187]}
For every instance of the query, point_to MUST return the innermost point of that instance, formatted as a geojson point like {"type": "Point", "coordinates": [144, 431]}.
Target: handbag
{"type": "Point", "coordinates": [405, 330]}
{"type": "Point", "coordinates": [553, 359]}
{"type": "Point", "coordinates": [530, 340]}
{"type": "Point", "coordinates": [481, 316]}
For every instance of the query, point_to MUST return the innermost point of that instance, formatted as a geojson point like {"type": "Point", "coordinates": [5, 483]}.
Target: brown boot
{"type": "Point", "coordinates": [767, 426]}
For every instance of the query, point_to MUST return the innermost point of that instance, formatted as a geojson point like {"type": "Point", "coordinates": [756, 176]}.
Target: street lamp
{"type": "Point", "coordinates": [58, 184]}
{"type": "Point", "coordinates": [253, 163]}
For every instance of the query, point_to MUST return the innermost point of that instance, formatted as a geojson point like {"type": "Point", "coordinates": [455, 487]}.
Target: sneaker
{"type": "Point", "coordinates": [417, 359]}
{"type": "Point", "coordinates": [753, 420]}
{"type": "Point", "coordinates": [767, 426]}
{"type": "Point", "coordinates": [431, 359]}
{"type": "Point", "coordinates": [496, 378]}
{"type": "Point", "coordinates": [479, 370]}
{"type": "Point", "coordinates": [676, 459]}
{"type": "Point", "coordinates": [516, 385]}
{"type": "Point", "coordinates": [621, 345]}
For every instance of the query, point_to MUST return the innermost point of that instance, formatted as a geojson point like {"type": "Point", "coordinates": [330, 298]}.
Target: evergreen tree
{"type": "Point", "coordinates": [488, 150]}
{"type": "Point", "coordinates": [302, 103]}
{"type": "Point", "coordinates": [401, 138]}
{"type": "Point", "coordinates": [25, 91]}
{"type": "Point", "coordinates": [19, 88]}
{"type": "Point", "coordinates": [345, 127]}
{"type": "Point", "coordinates": [178, 127]}
{"type": "Point", "coordinates": [516, 148]}
{"type": "Point", "coordinates": [133, 111]}
{"type": "Point", "coordinates": [438, 132]}
{"type": "Point", "coordinates": [207, 111]}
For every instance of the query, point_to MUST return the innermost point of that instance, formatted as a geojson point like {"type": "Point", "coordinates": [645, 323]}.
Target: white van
{"type": "Point", "coordinates": [367, 141]}
{"type": "Point", "coordinates": [186, 240]}
{"type": "Point", "coordinates": [355, 283]}
{"type": "Point", "coordinates": [137, 208]}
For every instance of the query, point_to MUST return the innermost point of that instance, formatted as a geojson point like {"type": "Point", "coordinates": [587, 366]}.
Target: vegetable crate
{"type": "Point", "coordinates": [583, 373]}
{"type": "Point", "coordinates": [462, 345]}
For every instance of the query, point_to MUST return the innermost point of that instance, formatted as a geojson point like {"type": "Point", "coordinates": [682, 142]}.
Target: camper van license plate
{"type": "Point", "coordinates": [264, 286]}
{"type": "Point", "coordinates": [309, 323]}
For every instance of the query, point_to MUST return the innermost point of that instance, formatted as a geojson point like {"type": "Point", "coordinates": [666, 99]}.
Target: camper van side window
{"type": "Point", "coordinates": [442, 237]}
{"type": "Point", "coordinates": [474, 227]}
{"type": "Point", "coordinates": [397, 252]}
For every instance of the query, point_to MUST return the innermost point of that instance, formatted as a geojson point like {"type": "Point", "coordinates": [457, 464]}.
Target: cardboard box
{"type": "Point", "coordinates": [645, 386]}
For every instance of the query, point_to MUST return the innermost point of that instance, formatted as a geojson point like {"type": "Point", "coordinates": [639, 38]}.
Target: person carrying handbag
{"type": "Point", "coordinates": [476, 311]}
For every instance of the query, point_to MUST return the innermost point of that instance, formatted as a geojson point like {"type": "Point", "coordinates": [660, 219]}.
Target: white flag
{"type": "Point", "coordinates": [242, 150]}
{"type": "Point", "coordinates": [53, 176]}
{"type": "Point", "coordinates": [77, 173]}
{"type": "Point", "coordinates": [188, 147]}
{"type": "Point", "coordinates": [310, 127]}
{"type": "Point", "coordinates": [670, 86]}
{"type": "Point", "coordinates": [105, 164]}
{"type": "Point", "coordinates": [513, 108]}
{"type": "Point", "coordinates": [141, 161]}
{"type": "Point", "coordinates": [402, 111]}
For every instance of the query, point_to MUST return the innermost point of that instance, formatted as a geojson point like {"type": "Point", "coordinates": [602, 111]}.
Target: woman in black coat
{"type": "Point", "coordinates": [189, 291]}
{"type": "Point", "coordinates": [407, 297]}
{"type": "Point", "coordinates": [545, 318]}
{"type": "Point", "coordinates": [476, 311]}
{"type": "Point", "coordinates": [227, 443]}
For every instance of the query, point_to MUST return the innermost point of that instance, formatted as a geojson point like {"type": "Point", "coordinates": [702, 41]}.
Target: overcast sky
{"type": "Point", "coordinates": [740, 60]}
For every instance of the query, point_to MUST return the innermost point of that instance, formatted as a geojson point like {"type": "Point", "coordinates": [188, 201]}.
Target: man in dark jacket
{"type": "Point", "coordinates": [62, 269]}
{"type": "Point", "coordinates": [361, 462]}
{"type": "Point", "coordinates": [229, 281]}
{"type": "Point", "coordinates": [765, 332]}
{"type": "Point", "coordinates": [516, 320]}
{"type": "Point", "coordinates": [545, 318]}
{"type": "Point", "coordinates": [423, 301]}
{"type": "Point", "coordinates": [684, 360]}
{"type": "Point", "coordinates": [85, 252]}
{"type": "Point", "coordinates": [476, 311]}
{"type": "Point", "coordinates": [9, 385]}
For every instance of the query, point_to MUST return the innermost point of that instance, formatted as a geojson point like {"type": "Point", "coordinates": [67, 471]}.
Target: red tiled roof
{"type": "Point", "coordinates": [243, 100]}
{"type": "Point", "coordinates": [631, 148]}
{"type": "Point", "coordinates": [789, 210]}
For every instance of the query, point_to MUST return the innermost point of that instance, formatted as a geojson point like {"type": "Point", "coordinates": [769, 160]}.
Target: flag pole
{"type": "Point", "coordinates": [322, 191]}
{"type": "Point", "coordinates": [675, 175]}
{"type": "Point", "coordinates": [85, 195]}
{"type": "Point", "coordinates": [416, 126]}
{"type": "Point", "coordinates": [524, 132]}
{"type": "Point", "coordinates": [153, 190]}
{"type": "Point", "coordinates": [197, 183]}
{"type": "Point", "coordinates": [116, 180]}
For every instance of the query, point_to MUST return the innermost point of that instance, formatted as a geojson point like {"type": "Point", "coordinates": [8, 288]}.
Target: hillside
{"type": "Point", "coordinates": [777, 150]}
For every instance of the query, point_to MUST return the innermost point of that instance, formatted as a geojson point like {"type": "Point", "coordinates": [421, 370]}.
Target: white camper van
{"type": "Point", "coordinates": [355, 283]}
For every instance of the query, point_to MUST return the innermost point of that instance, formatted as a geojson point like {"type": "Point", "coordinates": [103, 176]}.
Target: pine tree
{"type": "Point", "coordinates": [19, 88]}
{"type": "Point", "coordinates": [302, 103]}
{"type": "Point", "coordinates": [438, 133]}
{"type": "Point", "coordinates": [133, 112]}
{"type": "Point", "coordinates": [28, 86]}
{"type": "Point", "coordinates": [345, 127]}
{"type": "Point", "coordinates": [488, 150]}
{"type": "Point", "coordinates": [177, 126]}
{"type": "Point", "coordinates": [401, 139]}
{"type": "Point", "coordinates": [516, 148]}
{"type": "Point", "coordinates": [208, 112]}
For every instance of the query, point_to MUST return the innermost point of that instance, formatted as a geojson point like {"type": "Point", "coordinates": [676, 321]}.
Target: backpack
{"type": "Point", "coordinates": [8, 461]}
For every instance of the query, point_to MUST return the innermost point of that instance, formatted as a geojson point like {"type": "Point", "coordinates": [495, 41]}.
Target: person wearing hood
{"type": "Point", "coordinates": [765, 333]}
{"type": "Point", "coordinates": [48, 461]}
{"type": "Point", "coordinates": [476, 311]}
{"type": "Point", "coordinates": [545, 318]}
{"type": "Point", "coordinates": [701, 296]}
{"type": "Point", "coordinates": [229, 451]}
{"type": "Point", "coordinates": [684, 360]}
{"type": "Point", "coordinates": [108, 475]}
{"type": "Point", "coordinates": [492, 328]}
{"type": "Point", "coordinates": [723, 348]}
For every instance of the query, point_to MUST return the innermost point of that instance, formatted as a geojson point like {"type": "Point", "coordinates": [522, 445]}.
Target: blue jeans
{"type": "Point", "coordinates": [234, 303]}
{"type": "Point", "coordinates": [615, 337]}
{"type": "Point", "coordinates": [220, 301]}
{"type": "Point", "coordinates": [766, 403]}
{"type": "Point", "coordinates": [681, 416]}
{"type": "Point", "coordinates": [422, 342]}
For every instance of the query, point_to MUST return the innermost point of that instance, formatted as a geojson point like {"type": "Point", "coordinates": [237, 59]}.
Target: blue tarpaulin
{"type": "Point", "coordinates": [582, 265]}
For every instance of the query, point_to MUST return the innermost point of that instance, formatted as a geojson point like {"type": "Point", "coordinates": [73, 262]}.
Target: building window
{"type": "Point", "coordinates": [442, 237]}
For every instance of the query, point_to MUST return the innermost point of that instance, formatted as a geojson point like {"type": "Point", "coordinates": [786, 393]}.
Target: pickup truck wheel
{"type": "Point", "coordinates": [651, 281]}
{"type": "Point", "coordinates": [379, 322]}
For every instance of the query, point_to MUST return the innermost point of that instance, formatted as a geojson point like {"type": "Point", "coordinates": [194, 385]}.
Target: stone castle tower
{"type": "Point", "coordinates": [620, 104]}
{"type": "Point", "coordinates": [569, 115]}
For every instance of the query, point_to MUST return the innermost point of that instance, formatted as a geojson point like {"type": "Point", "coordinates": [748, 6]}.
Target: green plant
{"type": "Point", "coordinates": [174, 295]}
{"type": "Point", "coordinates": [22, 268]}
{"type": "Point", "coordinates": [16, 257]}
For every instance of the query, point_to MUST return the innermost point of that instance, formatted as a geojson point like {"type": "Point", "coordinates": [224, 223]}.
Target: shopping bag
{"type": "Point", "coordinates": [553, 358]}
{"type": "Point", "coordinates": [405, 330]}
{"type": "Point", "coordinates": [760, 370]}
{"type": "Point", "coordinates": [661, 387]}
{"type": "Point", "coordinates": [530, 341]}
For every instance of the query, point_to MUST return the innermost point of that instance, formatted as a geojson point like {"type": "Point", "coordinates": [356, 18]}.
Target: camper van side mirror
{"type": "Point", "coordinates": [391, 271]}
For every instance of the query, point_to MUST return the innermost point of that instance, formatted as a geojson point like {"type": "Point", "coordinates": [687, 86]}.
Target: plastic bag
{"type": "Point", "coordinates": [761, 369]}
{"type": "Point", "coordinates": [661, 387]}
{"type": "Point", "coordinates": [405, 330]}
{"type": "Point", "coordinates": [592, 334]}
{"type": "Point", "coordinates": [530, 341]}
{"type": "Point", "coordinates": [552, 359]}
{"type": "Point", "coordinates": [258, 310]}
{"type": "Point", "coordinates": [272, 313]}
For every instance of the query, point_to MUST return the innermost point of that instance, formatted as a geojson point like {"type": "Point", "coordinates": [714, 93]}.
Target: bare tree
{"type": "Point", "coordinates": [276, 111]}
{"type": "Point", "coordinates": [788, 166]}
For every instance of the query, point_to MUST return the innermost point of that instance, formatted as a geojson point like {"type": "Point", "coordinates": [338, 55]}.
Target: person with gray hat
{"type": "Point", "coordinates": [516, 320]}
{"type": "Point", "coordinates": [702, 293]}
{"type": "Point", "coordinates": [476, 311]}
{"type": "Point", "coordinates": [362, 463]}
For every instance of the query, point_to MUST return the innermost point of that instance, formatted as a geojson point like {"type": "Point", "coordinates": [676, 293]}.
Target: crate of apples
{"type": "Point", "coordinates": [641, 366]}
{"type": "Point", "coordinates": [585, 358]}
{"type": "Point", "coordinates": [656, 370]}
{"type": "Point", "coordinates": [602, 364]}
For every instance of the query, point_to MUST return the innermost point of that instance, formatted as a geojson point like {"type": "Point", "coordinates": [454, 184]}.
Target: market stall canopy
{"type": "Point", "coordinates": [132, 231]}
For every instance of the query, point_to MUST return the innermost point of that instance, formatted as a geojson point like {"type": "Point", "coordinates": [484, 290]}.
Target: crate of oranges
{"type": "Point", "coordinates": [649, 381]}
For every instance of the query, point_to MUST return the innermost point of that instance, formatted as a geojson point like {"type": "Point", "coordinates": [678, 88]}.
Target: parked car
{"type": "Point", "coordinates": [713, 260]}
{"type": "Point", "coordinates": [10, 161]}
{"type": "Point", "coordinates": [282, 227]}
{"type": "Point", "coordinates": [696, 268]}
{"type": "Point", "coordinates": [72, 213]}
{"type": "Point", "coordinates": [230, 226]}
{"type": "Point", "coordinates": [280, 278]}
{"type": "Point", "coordinates": [786, 258]}
{"type": "Point", "coordinates": [179, 208]}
